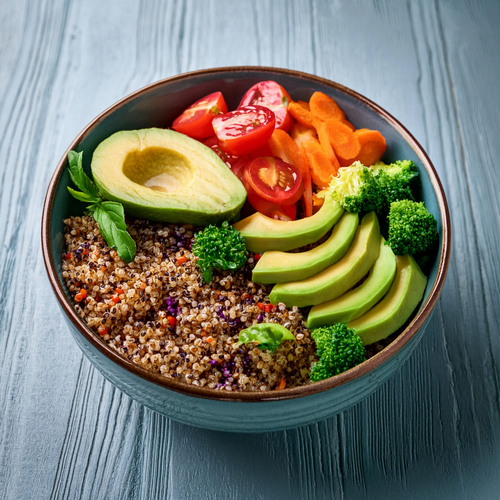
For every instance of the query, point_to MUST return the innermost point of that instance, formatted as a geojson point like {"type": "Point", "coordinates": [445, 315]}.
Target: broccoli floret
{"type": "Point", "coordinates": [219, 248]}
{"type": "Point", "coordinates": [412, 228]}
{"type": "Point", "coordinates": [356, 189]}
{"type": "Point", "coordinates": [339, 349]}
{"type": "Point", "coordinates": [395, 181]}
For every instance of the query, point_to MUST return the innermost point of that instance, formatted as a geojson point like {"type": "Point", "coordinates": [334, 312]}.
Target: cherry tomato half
{"type": "Point", "coordinates": [273, 96]}
{"type": "Point", "coordinates": [274, 180]}
{"type": "Point", "coordinates": [196, 121]}
{"type": "Point", "coordinates": [273, 210]}
{"type": "Point", "coordinates": [214, 144]}
{"type": "Point", "coordinates": [242, 131]}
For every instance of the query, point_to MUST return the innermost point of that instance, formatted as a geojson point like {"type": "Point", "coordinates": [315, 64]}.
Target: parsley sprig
{"type": "Point", "coordinates": [109, 215]}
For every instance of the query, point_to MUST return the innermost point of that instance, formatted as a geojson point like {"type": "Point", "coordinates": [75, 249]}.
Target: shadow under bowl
{"type": "Point", "coordinates": [156, 106]}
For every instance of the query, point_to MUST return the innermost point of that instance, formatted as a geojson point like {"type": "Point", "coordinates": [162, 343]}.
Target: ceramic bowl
{"type": "Point", "coordinates": [156, 106]}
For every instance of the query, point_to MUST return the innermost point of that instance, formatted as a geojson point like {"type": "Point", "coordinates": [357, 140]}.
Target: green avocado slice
{"type": "Point", "coordinates": [280, 267]}
{"type": "Point", "coordinates": [396, 307]}
{"type": "Point", "coordinates": [262, 233]}
{"type": "Point", "coordinates": [159, 174]}
{"type": "Point", "coordinates": [335, 280]}
{"type": "Point", "coordinates": [356, 302]}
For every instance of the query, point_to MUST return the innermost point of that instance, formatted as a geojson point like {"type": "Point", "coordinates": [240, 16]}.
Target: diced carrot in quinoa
{"type": "Point", "coordinates": [181, 260]}
{"type": "Point", "coordinates": [282, 384]}
{"type": "Point", "coordinates": [345, 144]}
{"type": "Point", "coordinates": [325, 108]}
{"type": "Point", "coordinates": [372, 144]}
{"type": "Point", "coordinates": [301, 112]}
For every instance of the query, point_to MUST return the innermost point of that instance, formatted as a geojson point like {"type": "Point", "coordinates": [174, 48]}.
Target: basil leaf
{"type": "Point", "coordinates": [268, 335]}
{"type": "Point", "coordinates": [116, 212]}
{"type": "Point", "coordinates": [112, 232]}
{"type": "Point", "coordinates": [79, 177]}
{"type": "Point", "coordinates": [86, 198]}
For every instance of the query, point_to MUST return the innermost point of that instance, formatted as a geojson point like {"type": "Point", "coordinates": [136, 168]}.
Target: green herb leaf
{"type": "Point", "coordinates": [86, 198]}
{"type": "Point", "coordinates": [268, 335]}
{"type": "Point", "coordinates": [79, 177]}
{"type": "Point", "coordinates": [112, 232]}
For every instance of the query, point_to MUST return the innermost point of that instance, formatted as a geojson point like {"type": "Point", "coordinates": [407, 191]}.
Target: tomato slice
{"type": "Point", "coordinates": [273, 96]}
{"type": "Point", "coordinates": [196, 121]}
{"type": "Point", "coordinates": [273, 210]}
{"type": "Point", "coordinates": [214, 144]}
{"type": "Point", "coordinates": [274, 180]}
{"type": "Point", "coordinates": [244, 130]}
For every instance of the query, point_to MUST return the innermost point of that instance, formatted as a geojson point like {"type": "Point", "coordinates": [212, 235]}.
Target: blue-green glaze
{"type": "Point", "coordinates": [157, 106]}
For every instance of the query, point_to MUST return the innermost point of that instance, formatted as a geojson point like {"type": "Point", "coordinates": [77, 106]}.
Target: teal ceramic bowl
{"type": "Point", "coordinates": [156, 106]}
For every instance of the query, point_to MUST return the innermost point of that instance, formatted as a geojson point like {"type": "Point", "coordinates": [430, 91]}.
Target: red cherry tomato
{"type": "Point", "coordinates": [242, 131]}
{"type": "Point", "coordinates": [196, 121]}
{"type": "Point", "coordinates": [273, 96]}
{"type": "Point", "coordinates": [270, 209]}
{"type": "Point", "coordinates": [214, 144]}
{"type": "Point", "coordinates": [274, 180]}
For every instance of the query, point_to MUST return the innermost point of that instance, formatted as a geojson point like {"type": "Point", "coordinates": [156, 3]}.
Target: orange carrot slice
{"type": "Point", "coordinates": [324, 140]}
{"type": "Point", "coordinates": [301, 134]}
{"type": "Point", "coordinates": [349, 124]}
{"type": "Point", "coordinates": [301, 113]}
{"type": "Point", "coordinates": [325, 108]}
{"type": "Point", "coordinates": [284, 147]}
{"type": "Point", "coordinates": [345, 144]}
{"type": "Point", "coordinates": [322, 169]}
{"type": "Point", "coordinates": [372, 144]}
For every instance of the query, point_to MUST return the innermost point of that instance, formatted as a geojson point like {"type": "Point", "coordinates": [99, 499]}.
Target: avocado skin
{"type": "Point", "coordinates": [392, 312]}
{"type": "Point", "coordinates": [263, 234]}
{"type": "Point", "coordinates": [361, 299]}
{"type": "Point", "coordinates": [280, 267]}
{"type": "Point", "coordinates": [335, 280]}
{"type": "Point", "coordinates": [209, 192]}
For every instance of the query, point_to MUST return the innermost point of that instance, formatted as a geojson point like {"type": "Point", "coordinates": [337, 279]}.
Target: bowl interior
{"type": "Point", "coordinates": [160, 103]}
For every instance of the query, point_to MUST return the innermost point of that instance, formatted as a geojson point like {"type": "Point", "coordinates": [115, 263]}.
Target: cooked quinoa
{"type": "Point", "coordinates": [158, 313]}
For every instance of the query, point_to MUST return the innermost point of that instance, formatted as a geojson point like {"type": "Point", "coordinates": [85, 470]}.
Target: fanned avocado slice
{"type": "Point", "coordinates": [392, 312]}
{"type": "Point", "coordinates": [159, 174]}
{"type": "Point", "coordinates": [262, 233]}
{"type": "Point", "coordinates": [356, 302]}
{"type": "Point", "coordinates": [335, 280]}
{"type": "Point", "coordinates": [280, 267]}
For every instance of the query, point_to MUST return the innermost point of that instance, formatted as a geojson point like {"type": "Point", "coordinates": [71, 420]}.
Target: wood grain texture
{"type": "Point", "coordinates": [431, 431]}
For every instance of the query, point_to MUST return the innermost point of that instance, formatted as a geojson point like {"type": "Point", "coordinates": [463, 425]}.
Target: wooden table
{"type": "Point", "coordinates": [432, 431]}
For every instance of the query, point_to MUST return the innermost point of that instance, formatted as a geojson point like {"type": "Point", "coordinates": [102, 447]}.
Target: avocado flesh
{"type": "Point", "coordinates": [356, 302]}
{"type": "Point", "coordinates": [335, 280]}
{"type": "Point", "coordinates": [162, 175]}
{"type": "Point", "coordinates": [280, 267]}
{"type": "Point", "coordinates": [392, 312]}
{"type": "Point", "coordinates": [263, 234]}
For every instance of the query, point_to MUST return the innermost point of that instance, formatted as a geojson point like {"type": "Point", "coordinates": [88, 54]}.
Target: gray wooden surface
{"type": "Point", "coordinates": [432, 431]}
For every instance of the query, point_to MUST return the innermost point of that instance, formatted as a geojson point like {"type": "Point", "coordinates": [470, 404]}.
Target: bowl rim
{"type": "Point", "coordinates": [273, 395]}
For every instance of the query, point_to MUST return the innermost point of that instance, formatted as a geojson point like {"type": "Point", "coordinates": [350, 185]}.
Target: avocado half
{"type": "Point", "coordinates": [161, 175]}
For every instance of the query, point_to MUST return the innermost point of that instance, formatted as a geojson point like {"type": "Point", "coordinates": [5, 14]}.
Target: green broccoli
{"type": "Point", "coordinates": [356, 189]}
{"type": "Point", "coordinates": [395, 181]}
{"type": "Point", "coordinates": [219, 248]}
{"type": "Point", "coordinates": [339, 349]}
{"type": "Point", "coordinates": [412, 228]}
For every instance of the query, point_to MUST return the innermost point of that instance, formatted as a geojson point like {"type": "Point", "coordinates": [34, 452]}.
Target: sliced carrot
{"type": "Point", "coordinates": [301, 134]}
{"type": "Point", "coordinates": [301, 113]}
{"type": "Point", "coordinates": [372, 144]}
{"type": "Point", "coordinates": [345, 143]}
{"type": "Point", "coordinates": [349, 124]}
{"type": "Point", "coordinates": [322, 169]}
{"type": "Point", "coordinates": [325, 108]}
{"type": "Point", "coordinates": [283, 146]}
{"type": "Point", "coordinates": [317, 201]}
{"type": "Point", "coordinates": [324, 140]}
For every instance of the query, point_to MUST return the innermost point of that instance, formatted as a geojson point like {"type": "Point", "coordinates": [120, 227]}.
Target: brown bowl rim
{"type": "Point", "coordinates": [274, 395]}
